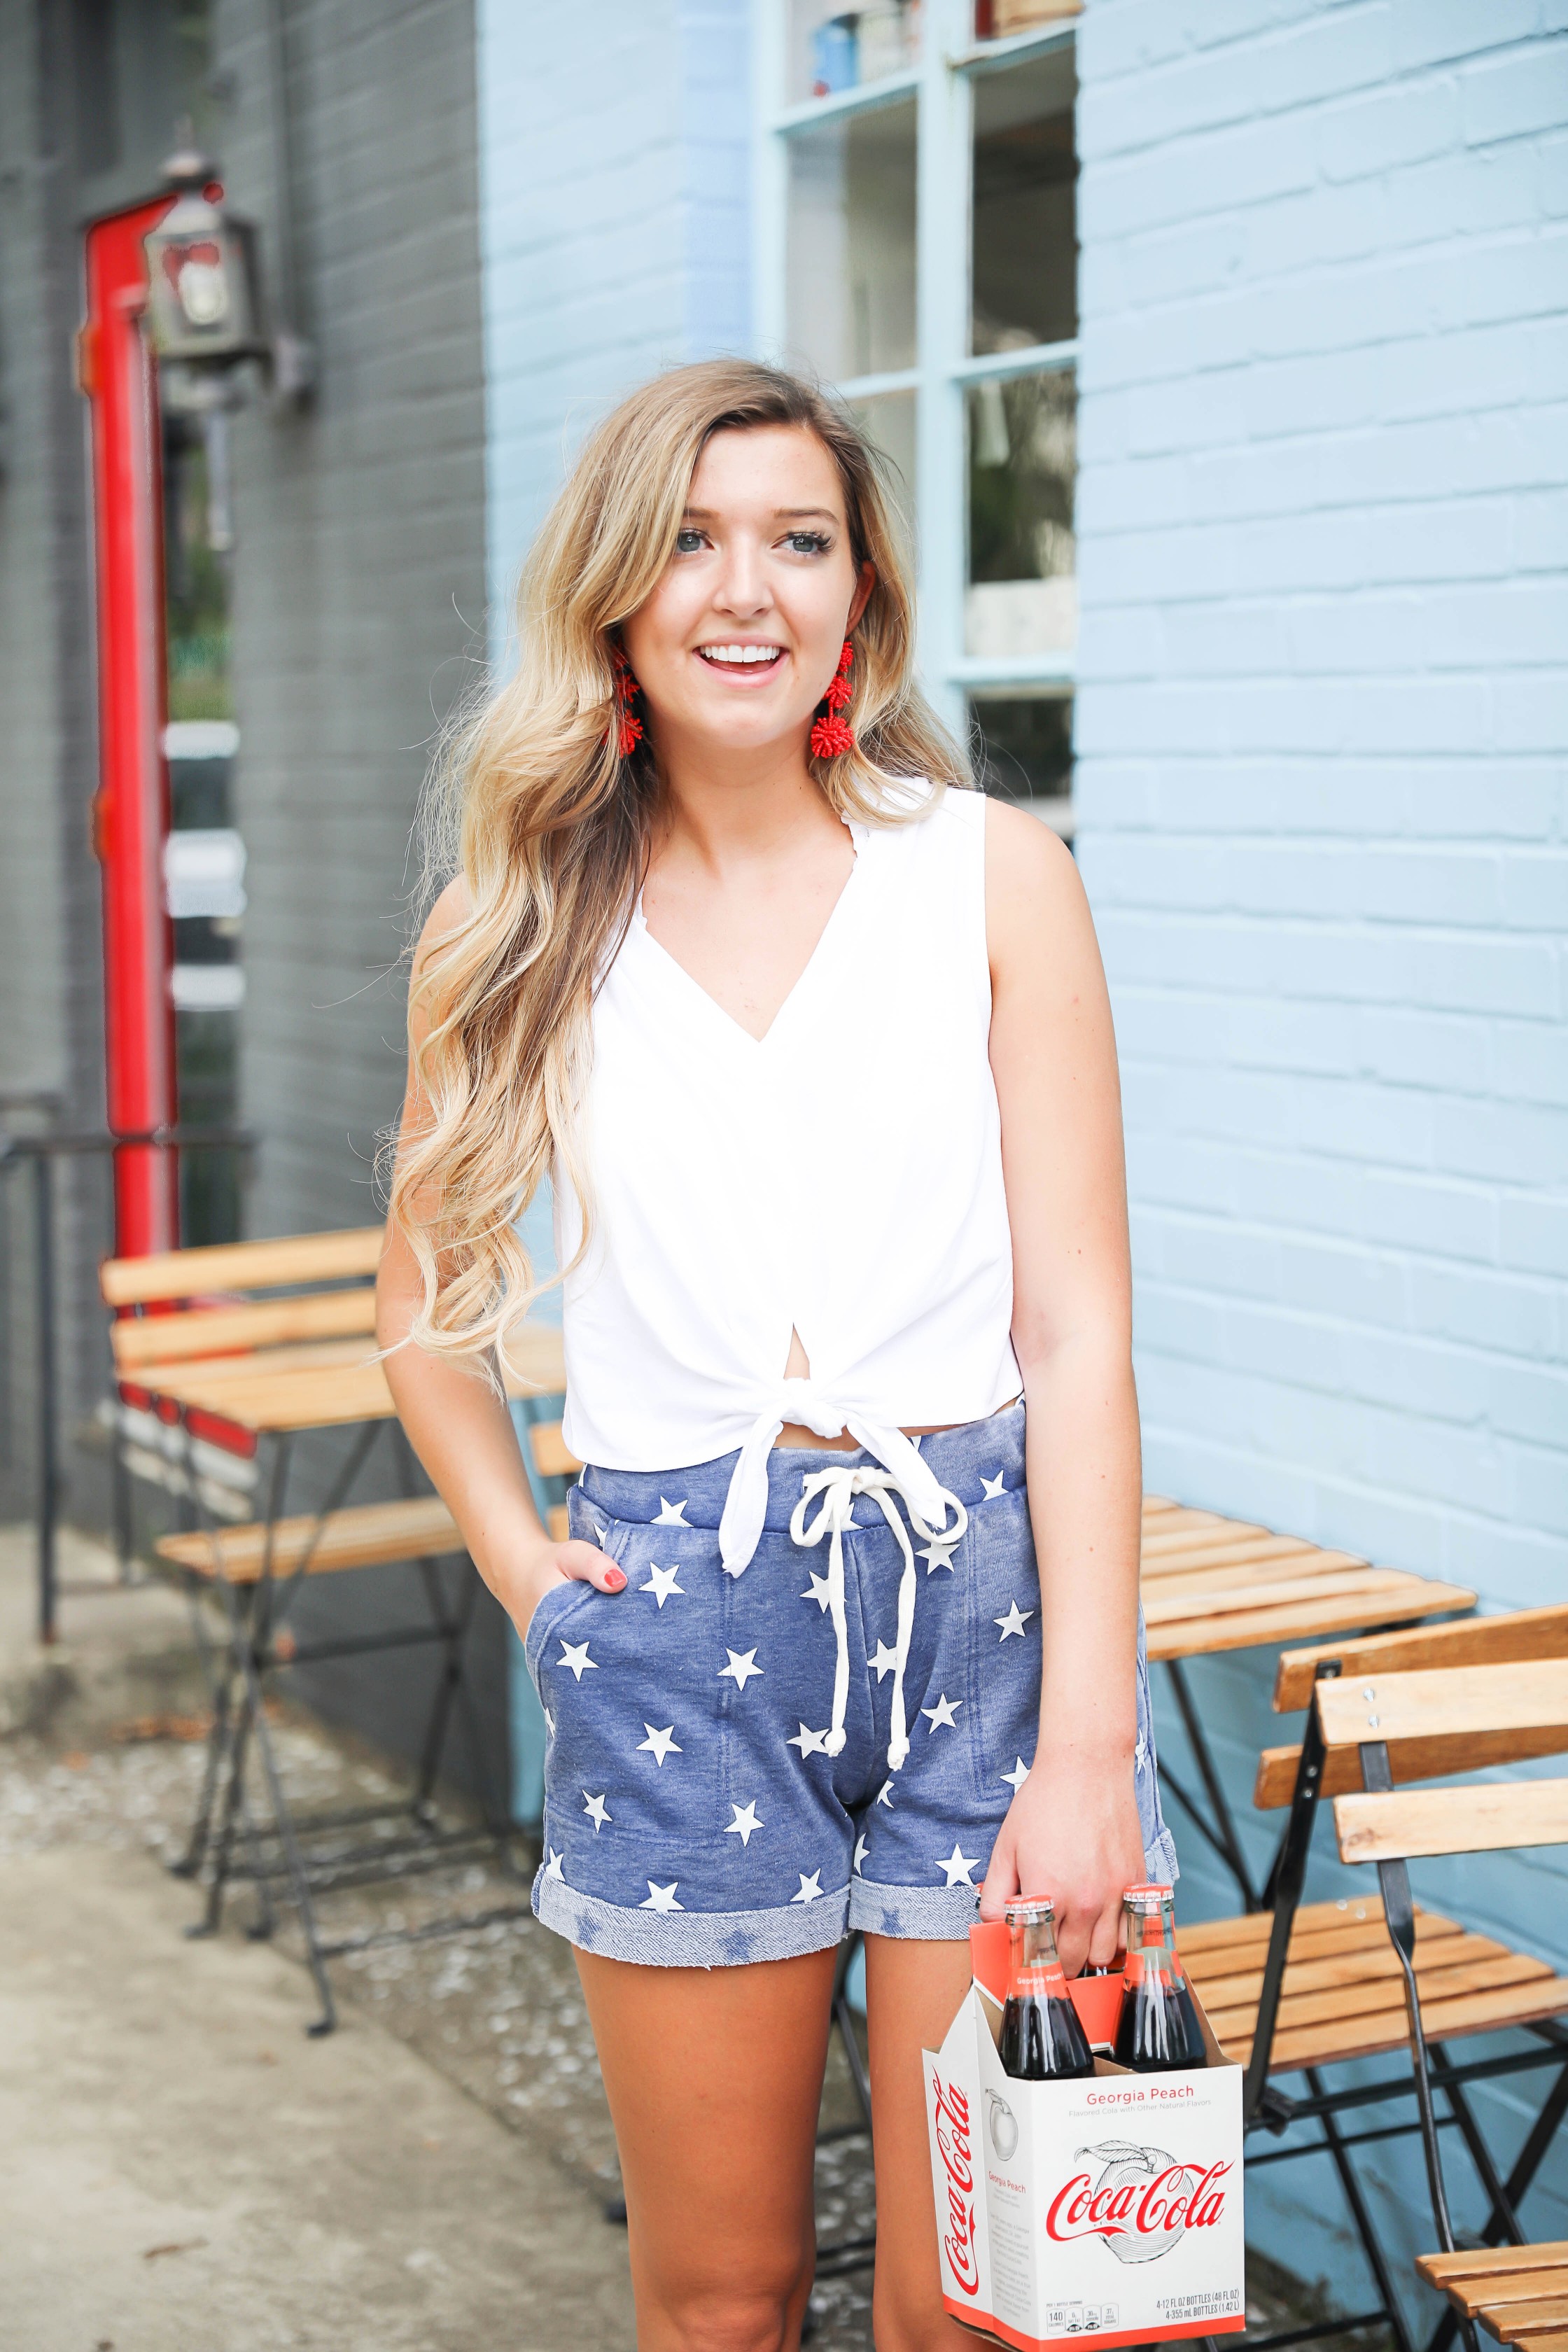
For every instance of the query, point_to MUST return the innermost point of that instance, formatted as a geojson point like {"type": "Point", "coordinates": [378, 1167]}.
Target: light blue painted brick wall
{"type": "Point", "coordinates": [1324, 549]}
{"type": "Point", "coordinates": [615, 240]}
{"type": "Point", "coordinates": [614, 224]}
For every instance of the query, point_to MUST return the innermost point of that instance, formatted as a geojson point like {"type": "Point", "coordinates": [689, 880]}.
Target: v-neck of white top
{"type": "Point", "coordinates": [851, 889]}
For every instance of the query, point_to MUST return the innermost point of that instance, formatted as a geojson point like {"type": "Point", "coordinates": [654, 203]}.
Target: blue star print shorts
{"type": "Point", "coordinates": [695, 1814]}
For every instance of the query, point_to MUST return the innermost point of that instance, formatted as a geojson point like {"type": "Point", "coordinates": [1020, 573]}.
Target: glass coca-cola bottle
{"type": "Point", "coordinates": [1042, 2039]}
{"type": "Point", "coordinates": [1158, 2031]}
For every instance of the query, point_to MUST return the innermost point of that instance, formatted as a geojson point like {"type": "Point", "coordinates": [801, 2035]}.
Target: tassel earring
{"type": "Point", "coordinates": [628, 726]}
{"type": "Point", "coordinates": [831, 733]}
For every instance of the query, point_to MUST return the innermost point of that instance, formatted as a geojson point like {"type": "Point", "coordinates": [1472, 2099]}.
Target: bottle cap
{"type": "Point", "coordinates": [1029, 1906]}
{"type": "Point", "coordinates": [1147, 1898]}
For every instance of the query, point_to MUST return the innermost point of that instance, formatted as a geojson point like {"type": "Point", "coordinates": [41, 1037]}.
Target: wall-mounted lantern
{"type": "Point", "coordinates": [203, 308]}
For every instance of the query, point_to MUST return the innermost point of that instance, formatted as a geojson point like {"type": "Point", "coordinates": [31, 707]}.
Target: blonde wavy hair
{"type": "Point", "coordinates": [532, 803]}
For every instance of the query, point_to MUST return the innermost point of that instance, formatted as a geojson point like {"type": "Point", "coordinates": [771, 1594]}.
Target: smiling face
{"type": "Point", "coordinates": [734, 648]}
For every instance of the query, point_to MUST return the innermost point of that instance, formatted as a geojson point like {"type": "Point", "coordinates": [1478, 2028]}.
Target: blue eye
{"type": "Point", "coordinates": [687, 542]}
{"type": "Point", "coordinates": [809, 542]}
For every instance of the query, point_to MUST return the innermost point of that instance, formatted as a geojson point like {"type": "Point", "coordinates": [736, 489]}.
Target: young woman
{"type": "Point", "coordinates": [814, 1042]}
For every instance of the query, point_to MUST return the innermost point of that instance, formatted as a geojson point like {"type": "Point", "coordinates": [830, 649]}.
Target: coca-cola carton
{"type": "Point", "coordinates": [1107, 2207]}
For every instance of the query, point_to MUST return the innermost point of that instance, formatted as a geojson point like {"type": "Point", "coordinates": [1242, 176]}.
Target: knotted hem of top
{"type": "Point", "coordinates": [690, 1939]}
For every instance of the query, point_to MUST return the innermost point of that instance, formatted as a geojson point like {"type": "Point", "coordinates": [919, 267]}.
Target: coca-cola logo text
{"type": "Point", "coordinates": [1142, 2204]}
{"type": "Point", "coordinates": [953, 2141]}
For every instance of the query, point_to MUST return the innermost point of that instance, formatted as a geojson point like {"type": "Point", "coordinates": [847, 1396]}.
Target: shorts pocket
{"type": "Point", "coordinates": [554, 1605]}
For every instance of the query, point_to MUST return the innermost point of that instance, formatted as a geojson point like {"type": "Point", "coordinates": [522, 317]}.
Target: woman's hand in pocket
{"type": "Point", "coordinates": [540, 1565]}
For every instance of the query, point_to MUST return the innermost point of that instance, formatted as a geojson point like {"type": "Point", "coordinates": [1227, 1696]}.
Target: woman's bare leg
{"type": "Point", "coordinates": [714, 2078]}
{"type": "Point", "coordinates": [913, 1990]}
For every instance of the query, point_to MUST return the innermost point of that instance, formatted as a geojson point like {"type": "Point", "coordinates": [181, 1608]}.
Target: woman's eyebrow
{"type": "Point", "coordinates": [781, 514]}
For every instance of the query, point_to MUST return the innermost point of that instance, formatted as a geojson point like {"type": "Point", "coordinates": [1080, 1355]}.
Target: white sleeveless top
{"type": "Point", "coordinates": [841, 1176]}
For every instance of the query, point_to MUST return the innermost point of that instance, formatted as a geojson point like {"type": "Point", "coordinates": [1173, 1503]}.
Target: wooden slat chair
{"type": "Point", "coordinates": [1437, 1720]}
{"type": "Point", "coordinates": [1304, 1988]}
{"type": "Point", "coordinates": [217, 1314]}
{"type": "Point", "coordinates": [1518, 2293]}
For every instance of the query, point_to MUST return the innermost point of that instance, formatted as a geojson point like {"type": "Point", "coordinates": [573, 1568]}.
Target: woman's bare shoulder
{"type": "Point", "coordinates": [445, 919]}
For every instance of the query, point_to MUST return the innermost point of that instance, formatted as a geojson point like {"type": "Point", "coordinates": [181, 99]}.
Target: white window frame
{"type": "Point", "coordinates": [943, 84]}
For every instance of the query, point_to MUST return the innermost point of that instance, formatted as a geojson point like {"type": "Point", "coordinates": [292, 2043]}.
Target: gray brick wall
{"type": "Point", "coordinates": [358, 606]}
{"type": "Point", "coordinates": [359, 576]}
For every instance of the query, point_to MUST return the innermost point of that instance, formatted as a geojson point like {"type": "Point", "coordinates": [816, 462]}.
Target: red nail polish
{"type": "Point", "coordinates": [614, 1579]}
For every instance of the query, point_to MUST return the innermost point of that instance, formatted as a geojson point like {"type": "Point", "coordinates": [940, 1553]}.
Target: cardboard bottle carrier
{"type": "Point", "coordinates": [1108, 2208]}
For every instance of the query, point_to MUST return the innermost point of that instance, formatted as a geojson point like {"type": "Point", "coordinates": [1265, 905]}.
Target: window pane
{"type": "Point", "coordinates": [852, 243]}
{"type": "Point", "coordinates": [1024, 266]}
{"type": "Point", "coordinates": [832, 49]}
{"type": "Point", "coordinates": [1024, 746]}
{"type": "Point", "coordinates": [1022, 595]}
{"type": "Point", "coordinates": [888, 421]}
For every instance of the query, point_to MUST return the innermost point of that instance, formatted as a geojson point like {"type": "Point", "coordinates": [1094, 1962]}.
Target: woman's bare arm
{"type": "Point", "coordinates": [1072, 1831]}
{"type": "Point", "coordinates": [456, 1423]}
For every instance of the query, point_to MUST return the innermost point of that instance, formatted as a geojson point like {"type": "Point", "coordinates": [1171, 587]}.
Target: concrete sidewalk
{"type": "Point", "coordinates": [182, 2171]}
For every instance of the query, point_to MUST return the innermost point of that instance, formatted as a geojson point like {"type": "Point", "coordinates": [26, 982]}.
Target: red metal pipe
{"type": "Point", "coordinates": [131, 808]}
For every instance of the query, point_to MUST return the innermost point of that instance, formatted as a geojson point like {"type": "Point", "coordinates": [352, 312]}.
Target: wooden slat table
{"type": "Point", "coordinates": [1210, 1584]}
{"type": "Point", "coordinates": [325, 1383]}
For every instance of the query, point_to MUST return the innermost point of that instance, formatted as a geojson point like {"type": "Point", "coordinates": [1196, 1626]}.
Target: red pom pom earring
{"type": "Point", "coordinates": [628, 726]}
{"type": "Point", "coordinates": [831, 734]}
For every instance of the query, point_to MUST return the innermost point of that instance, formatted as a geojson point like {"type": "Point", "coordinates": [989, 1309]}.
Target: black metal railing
{"type": "Point", "coordinates": [40, 1151]}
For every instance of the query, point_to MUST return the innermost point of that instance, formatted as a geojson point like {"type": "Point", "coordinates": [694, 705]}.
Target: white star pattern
{"type": "Point", "coordinates": [884, 1795]}
{"type": "Point", "coordinates": [958, 1867]}
{"type": "Point", "coordinates": [809, 1742]}
{"type": "Point", "coordinates": [942, 1715]}
{"type": "Point", "coordinates": [598, 1813]}
{"type": "Point", "coordinates": [862, 1848]}
{"type": "Point", "coordinates": [938, 1554]}
{"type": "Point", "coordinates": [672, 1514]}
{"type": "Point", "coordinates": [575, 1655]}
{"type": "Point", "coordinates": [740, 1668]}
{"type": "Point", "coordinates": [1016, 1776]}
{"type": "Point", "coordinates": [819, 1593]}
{"type": "Point", "coordinates": [745, 1822]}
{"type": "Point", "coordinates": [809, 1888]}
{"type": "Point", "coordinates": [992, 1487]}
{"type": "Point", "coordinates": [1014, 1620]}
{"type": "Point", "coordinates": [662, 1899]}
{"type": "Point", "coordinates": [660, 1744]}
{"type": "Point", "coordinates": [552, 1867]}
{"type": "Point", "coordinates": [884, 1662]}
{"type": "Point", "coordinates": [661, 1582]}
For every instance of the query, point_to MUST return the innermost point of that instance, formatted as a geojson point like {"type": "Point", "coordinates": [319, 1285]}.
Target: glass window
{"type": "Point", "coordinates": [1022, 594]}
{"type": "Point", "coordinates": [834, 48]}
{"type": "Point", "coordinates": [1024, 275]}
{"type": "Point", "coordinates": [888, 419]}
{"type": "Point", "coordinates": [1022, 745]}
{"type": "Point", "coordinates": [851, 259]}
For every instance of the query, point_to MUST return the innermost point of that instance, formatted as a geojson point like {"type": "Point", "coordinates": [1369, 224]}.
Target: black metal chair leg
{"type": "Point", "coordinates": [1223, 1837]}
{"type": "Point", "coordinates": [195, 1854]}
{"type": "Point", "coordinates": [1481, 2154]}
{"type": "Point", "coordinates": [1349, 2183]}
{"type": "Point", "coordinates": [223, 1849]}
{"type": "Point", "coordinates": [300, 1888]}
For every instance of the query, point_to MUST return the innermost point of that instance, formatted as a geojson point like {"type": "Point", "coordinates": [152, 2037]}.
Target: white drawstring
{"type": "Point", "coordinates": [746, 1503]}
{"type": "Point", "coordinates": [838, 1487]}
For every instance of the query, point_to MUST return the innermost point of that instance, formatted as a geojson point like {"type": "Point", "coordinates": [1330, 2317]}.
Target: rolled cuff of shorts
{"type": "Point", "coordinates": [688, 1940]}
{"type": "Point", "coordinates": [930, 1915]}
